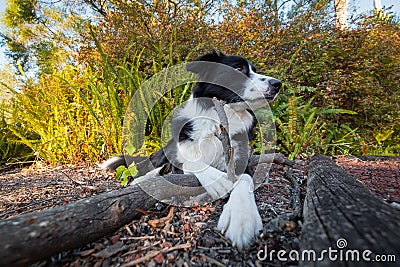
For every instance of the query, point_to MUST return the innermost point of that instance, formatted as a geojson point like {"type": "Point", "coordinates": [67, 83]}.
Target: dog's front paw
{"type": "Point", "coordinates": [214, 181]}
{"type": "Point", "coordinates": [240, 220]}
{"type": "Point", "coordinates": [217, 188]}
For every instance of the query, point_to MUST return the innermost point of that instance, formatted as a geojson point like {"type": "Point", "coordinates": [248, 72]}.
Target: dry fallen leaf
{"type": "Point", "coordinates": [159, 258]}
{"type": "Point", "coordinates": [162, 221]}
{"type": "Point", "coordinates": [288, 226]}
{"type": "Point", "coordinates": [87, 252]}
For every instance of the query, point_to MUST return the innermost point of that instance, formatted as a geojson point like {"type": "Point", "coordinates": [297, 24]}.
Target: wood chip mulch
{"type": "Point", "coordinates": [176, 236]}
{"type": "Point", "coordinates": [381, 176]}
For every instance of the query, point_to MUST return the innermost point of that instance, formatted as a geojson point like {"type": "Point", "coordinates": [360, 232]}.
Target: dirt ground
{"type": "Point", "coordinates": [188, 237]}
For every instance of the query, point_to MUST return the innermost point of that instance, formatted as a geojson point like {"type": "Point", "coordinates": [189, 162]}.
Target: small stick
{"type": "Point", "coordinates": [151, 254]}
{"type": "Point", "coordinates": [276, 224]}
{"type": "Point", "coordinates": [129, 230]}
{"type": "Point", "coordinates": [141, 249]}
{"type": "Point", "coordinates": [225, 139]}
{"type": "Point", "coordinates": [212, 261]}
{"type": "Point", "coordinates": [296, 201]}
{"type": "Point", "coordinates": [162, 221]}
{"type": "Point", "coordinates": [219, 107]}
{"type": "Point", "coordinates": [138, 237]}
{"type": "Point", "coordinates": [270, 158]}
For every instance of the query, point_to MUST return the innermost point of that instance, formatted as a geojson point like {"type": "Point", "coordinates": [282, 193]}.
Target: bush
{"type": "Point", "coordinates": [303, 128]}
{"type": "Point", "coordinates": [77, 114]}
{"type": "Point", "coordinates": [357, 70]}
{"type": "Point", "coordinates": [11, 148]}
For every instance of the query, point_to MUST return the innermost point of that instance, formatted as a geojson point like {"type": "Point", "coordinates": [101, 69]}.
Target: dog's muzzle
{"type": "Point", "coordinates": [274, 86]}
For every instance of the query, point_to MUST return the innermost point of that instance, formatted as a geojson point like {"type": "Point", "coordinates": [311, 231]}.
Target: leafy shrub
{"type": "Point", "coordinates": [11, 148]}
{"type": "Point", "coordinates": [77, 114]}
{"type": "Point", "coordinates": [357, 70]}
{"type": "Point", "coordinates": [303, 128]}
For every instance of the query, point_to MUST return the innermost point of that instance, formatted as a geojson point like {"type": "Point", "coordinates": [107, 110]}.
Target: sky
{"type": "Point", "coordinates": [362, 5]}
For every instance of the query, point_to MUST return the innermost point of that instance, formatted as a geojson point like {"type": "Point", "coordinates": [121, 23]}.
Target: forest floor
{"type": "Point", "coordinates": [186, 236]}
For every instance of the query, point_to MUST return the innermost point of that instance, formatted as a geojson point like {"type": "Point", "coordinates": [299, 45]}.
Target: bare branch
{"type": "Point", "coordinates": [225, 139]}
{"type": "Point", "coordinates": [277, 224]}
{"type": "Point", "coordinates": [296, 201]}
{"type": "Point", "coordinates": [98, 8]}
{"type": "Point", "coordinates": [270, 158]}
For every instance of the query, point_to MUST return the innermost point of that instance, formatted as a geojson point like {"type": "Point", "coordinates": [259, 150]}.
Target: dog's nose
{"type": "Point", "coordinates": [276, 84]}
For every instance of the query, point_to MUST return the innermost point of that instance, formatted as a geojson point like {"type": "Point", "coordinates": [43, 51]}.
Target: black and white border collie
{"type": "Point", "coordinates": [195, 148]}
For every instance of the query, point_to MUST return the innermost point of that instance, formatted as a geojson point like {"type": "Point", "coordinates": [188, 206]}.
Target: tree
{"type": "Point", "coordinates": [377, 5]}
{"type": "Point", "coordinates": [42, 36]}
{"type": "Point", "coordinates": [7, 82]}
{"type": "Point", "coordinates": [341, 14]}
{"type": "Point", "coordinates": [166, 31]}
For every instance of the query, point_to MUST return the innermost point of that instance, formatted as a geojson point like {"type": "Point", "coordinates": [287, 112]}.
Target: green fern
{"type": "Point", "coordinates": [303, 128]}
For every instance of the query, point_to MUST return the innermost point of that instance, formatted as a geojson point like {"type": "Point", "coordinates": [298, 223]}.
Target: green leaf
{"type": "Point", "coordinates": [381, 137]}
{"type": "Point", "coordinates": [124, 182]}
{"type": "Point", "coordinates": [133, 170]}
{"type": "Point", "coordinates": [123, 173]}
{"type": "Point", "coordinates": [130, 149]}
{"type": "Point", "coordinates": [126, 174]}
{"type": "Point", "coordinates": [119, 171]}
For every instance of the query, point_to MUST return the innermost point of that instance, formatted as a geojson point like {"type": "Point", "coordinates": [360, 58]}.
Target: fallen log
{"type": "Point", "coordinates": [28, 238]}
{"type": "Point", "coordinates": [344, 223]}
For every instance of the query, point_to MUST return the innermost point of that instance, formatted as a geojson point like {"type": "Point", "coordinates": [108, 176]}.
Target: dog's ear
{"type": "Point", "coordinates": [214, 56]}
{"type": "Point", "coordinates": [197, 68]}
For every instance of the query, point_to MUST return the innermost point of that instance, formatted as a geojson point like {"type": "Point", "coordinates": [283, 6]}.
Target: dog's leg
{"type": "Point", "coordinates": [214, 181]}
{"type": "Point", "coordinates": [240, 220]}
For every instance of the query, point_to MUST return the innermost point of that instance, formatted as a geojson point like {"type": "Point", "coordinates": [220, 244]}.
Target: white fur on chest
{"type": "Point", "coordinates": [206, 147]}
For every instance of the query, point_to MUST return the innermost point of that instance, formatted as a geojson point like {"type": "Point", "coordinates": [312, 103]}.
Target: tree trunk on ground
{"type": "Point", "coordinates": [28, 238]}
{"type": "Point", "coordinates": [341, 214]}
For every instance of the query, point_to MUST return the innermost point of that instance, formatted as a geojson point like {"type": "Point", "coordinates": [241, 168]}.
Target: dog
{"type": "Point", "coordinates": [195, 148]}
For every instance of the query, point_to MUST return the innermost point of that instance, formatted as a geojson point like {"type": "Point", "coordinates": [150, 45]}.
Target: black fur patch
{"type": "Point", "coordinates": [182, 128]}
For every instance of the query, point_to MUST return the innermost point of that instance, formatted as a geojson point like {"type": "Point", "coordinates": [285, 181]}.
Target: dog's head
{"type": "Point", "coordinates": [232, 79]}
